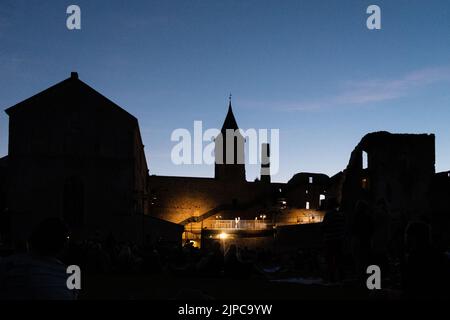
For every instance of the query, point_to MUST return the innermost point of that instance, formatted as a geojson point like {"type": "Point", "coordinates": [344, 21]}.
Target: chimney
{"type": "Point", "coordinates": [74, 75]}
{"type": "Point", "coordinates": [265, 163]}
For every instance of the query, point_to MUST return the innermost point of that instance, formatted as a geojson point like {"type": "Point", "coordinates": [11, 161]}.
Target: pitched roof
{"type": "Point", "coordinates": [70, 87]}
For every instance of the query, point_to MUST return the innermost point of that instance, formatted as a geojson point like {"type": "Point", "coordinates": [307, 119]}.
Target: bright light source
{"type": "Point", "coordinates": [223, 236]}
{"type": "Point", "coordinates": [194, 243]}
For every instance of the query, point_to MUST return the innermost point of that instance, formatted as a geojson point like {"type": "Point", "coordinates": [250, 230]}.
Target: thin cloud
{"type": "Point", "coordinates": [381, 90]}
{"type": "Point", "coordinates": [359, 93]}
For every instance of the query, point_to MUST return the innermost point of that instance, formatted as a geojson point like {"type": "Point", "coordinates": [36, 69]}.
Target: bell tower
{"type": "Point", "coordinates": [229, 150]}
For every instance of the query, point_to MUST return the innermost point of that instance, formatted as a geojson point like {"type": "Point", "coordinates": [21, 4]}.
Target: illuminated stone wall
{"type": "Point", "coordinates": [178, 198]}
{"type": "Point", "coordinates": [299, 216]}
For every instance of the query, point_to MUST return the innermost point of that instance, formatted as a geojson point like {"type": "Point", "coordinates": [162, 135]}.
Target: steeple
{"type": "Point", "coordinates": [229, 151]}
{"type": "Point", "coordinates": [230, 120]}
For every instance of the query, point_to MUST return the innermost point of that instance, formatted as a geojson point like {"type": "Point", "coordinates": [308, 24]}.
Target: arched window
{"type": "Point", "coordinates": [365, 160]}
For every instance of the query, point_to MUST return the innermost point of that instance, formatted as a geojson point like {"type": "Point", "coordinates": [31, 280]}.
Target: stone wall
{"type": "Point", "coordinates": [399, 171]}
{"type": "Point", "coordinates": [179, 198]}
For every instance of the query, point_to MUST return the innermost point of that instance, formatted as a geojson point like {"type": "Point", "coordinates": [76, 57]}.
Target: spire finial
{"type": "Point", "coordinates": [229, 99]}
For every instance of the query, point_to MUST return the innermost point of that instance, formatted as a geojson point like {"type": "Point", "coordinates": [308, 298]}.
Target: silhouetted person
{"type": "Point", "coordinates": [425, 271]}
{"type": "Point", "coordinates": [151, 260]}
{"type": "Point", "coordinates": [234, 266]}
{"type": "Point", "coordinates": [39, 274]}
{"type": "Point", "coordinates": [212, 263]}
{"type": "Point", "coordinates": [361, 232]}
{"type": "Point", "coordinates": [333, 228]}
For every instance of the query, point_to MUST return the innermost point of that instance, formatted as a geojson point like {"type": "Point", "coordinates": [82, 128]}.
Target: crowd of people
{"type": "Point", "coordinates": [350, 244]}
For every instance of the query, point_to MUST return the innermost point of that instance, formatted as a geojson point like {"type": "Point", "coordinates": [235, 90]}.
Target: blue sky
{"type": "Point", "coordinates": [309, 68]}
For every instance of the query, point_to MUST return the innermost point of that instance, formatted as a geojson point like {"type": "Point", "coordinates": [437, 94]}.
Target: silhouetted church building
{"type": "Point", "coordinates": [77, 155]}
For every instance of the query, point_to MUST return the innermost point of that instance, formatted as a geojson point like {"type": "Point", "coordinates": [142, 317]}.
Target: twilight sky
{"type": "Point", "coordinates": [309, 68]}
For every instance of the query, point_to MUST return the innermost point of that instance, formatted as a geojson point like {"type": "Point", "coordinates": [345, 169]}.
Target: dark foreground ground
{"type": "Point", "coordinates": [166, 287]}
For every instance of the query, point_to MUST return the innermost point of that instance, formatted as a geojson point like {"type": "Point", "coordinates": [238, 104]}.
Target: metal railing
{"type": "Point", "coordinates": [238, 225]}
